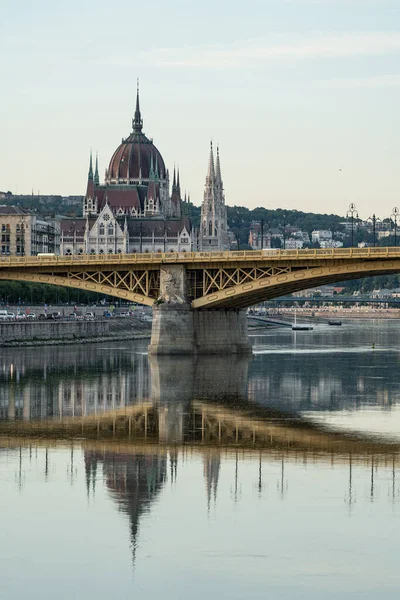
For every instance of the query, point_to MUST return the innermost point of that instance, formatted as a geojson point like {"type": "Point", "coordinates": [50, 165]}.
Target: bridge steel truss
{"type": "Point", "coordinates": [215, 280]}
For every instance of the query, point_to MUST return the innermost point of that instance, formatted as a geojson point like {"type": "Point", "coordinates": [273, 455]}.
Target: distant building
{"type": "Point", "coordinates": [133, 210]}
{"type": "Point", "coordinates": [324, 243]}
{"type": "Point", "coordinates": [255, 236]}
{"type": "Point", "coordinates": [293, 244]}
{"type": "Point", "coordinates": [25, 233]}
{"type": "Point", "coordinates": [319, 235]}
{"type": "Point", "coordinates": [213, 234]}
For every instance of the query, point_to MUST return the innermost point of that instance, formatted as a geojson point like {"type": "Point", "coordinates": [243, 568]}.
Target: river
{"type": "Point", "coordinates": [275, 476]}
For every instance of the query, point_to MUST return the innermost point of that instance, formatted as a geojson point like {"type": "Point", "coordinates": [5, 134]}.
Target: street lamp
{"type": "Point", "coordinates": [351, 213]}
{"type": "Point", "coordinates": [262, 234]}
{"type": "Point", "coordinates": [394, 216]}
{"type": "Point", "coordinates": [238, 233]}
{"type": "Point", "coordinates": [374, 220]}
{"type": "Point", "coordinates": [284, 230]}
{"type": "Point", "coordinates": [22, 234]}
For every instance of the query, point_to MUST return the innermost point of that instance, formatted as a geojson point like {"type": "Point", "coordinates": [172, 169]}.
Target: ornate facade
{"type": "Point", "coordinates": [213, 233]}
{"type": "Point", "coordinates": [133, 210]}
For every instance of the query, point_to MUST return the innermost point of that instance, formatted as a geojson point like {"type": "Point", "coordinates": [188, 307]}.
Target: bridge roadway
{"type": "Point", "coordinates": [179, 285]}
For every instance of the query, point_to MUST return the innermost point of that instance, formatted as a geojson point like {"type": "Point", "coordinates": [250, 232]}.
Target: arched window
{"type": "Point", "coordinates": [110, 229]}
{"type": "Point", "coordinates": [110, 251]}
{"type": "Point", "coordinates": [101, 251]}
{"type": "Point", "coordinates": [68, 251]}
{"type": "Point", "coordinates": [119, 251]}
{"type": "Point", "coordinates": [101, 229]}
{"type": "Point", "coordinates": [210, 228]}
{"type": "Point", "coordinates": [92, 251]}
{"type": "Point", "coordinates": [80, 251]}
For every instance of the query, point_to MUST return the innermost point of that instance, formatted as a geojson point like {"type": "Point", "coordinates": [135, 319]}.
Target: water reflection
{"type": "Point", "coordinates": [305, 400]}
{"type": "Point", "coordinates": [227, 475]}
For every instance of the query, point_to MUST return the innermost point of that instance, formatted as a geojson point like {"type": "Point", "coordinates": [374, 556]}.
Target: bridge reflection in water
{"type": "Point", "coordinates": [128, 397]}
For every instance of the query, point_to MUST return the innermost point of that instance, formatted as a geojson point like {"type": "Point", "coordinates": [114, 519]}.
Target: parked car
{"type": "Point", "coordinates": [6, 316]}
{"type": "Point", "coordinates": [89, 316]}
{"type": "Point", "coordinates": [54, 316]}
{"type": "Point", "coordinates": [20, 317]}
{"type": "Point", "coordinates": [107, 314]}
{"type": "Point", "coordinates": [42, 317]}
{"type": "Point", "coordinates": [31, 316]}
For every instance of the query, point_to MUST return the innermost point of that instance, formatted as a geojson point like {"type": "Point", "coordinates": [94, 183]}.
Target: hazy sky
{"type": "Point", "coordinates": [303, 96]}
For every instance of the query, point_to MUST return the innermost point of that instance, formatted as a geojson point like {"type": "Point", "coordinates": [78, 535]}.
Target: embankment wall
{"type": "Point", "coordinates": [51, 330]}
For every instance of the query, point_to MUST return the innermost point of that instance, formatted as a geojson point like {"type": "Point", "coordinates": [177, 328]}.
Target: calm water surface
{"type": "Point", "coordinates": [271, 477]}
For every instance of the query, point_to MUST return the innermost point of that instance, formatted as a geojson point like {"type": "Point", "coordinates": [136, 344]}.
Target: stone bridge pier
{"type": "Point", "coordinates": [179, 329]}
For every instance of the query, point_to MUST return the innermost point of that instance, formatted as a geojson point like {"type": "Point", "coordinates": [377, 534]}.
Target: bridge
{"type": "Point", "coordinates": [183, 287]}
{"type": "Point", "coordinates": [339, 299]}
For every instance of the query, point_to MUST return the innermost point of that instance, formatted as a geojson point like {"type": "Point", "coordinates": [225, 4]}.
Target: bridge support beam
{"type": "Point", "coordinates": [180, 329]}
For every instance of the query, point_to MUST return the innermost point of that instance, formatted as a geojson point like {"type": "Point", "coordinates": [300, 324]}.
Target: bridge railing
{"type": "Point", "coordinates": [190, 257]}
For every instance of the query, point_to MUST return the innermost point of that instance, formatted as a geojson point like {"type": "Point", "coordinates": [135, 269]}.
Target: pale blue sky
{"type": "Point", "coordinates": [292, 90]}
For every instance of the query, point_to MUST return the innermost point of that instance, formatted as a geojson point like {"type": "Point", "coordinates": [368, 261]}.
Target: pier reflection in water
{"type": "Point", "coordinates": [223, 476]}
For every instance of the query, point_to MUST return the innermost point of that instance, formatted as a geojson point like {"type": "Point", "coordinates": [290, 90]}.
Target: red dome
{"type": "Point", "coordinates": [133, 159]}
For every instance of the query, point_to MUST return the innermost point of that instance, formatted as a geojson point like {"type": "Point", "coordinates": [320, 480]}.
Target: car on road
{"type": "Point", "coordinates": [6, 316]}
{"type": "Point", "coordinates": [89, 316]}
{"type": "Point", "coordinates": [54, 316]}
{"type": "Point", "coordinates": [30, 316]}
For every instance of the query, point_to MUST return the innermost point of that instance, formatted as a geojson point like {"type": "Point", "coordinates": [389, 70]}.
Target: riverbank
{"type": "Point", "coordinates": [55, 333]}
{"type": "Point", "coordinates": [327, 312]}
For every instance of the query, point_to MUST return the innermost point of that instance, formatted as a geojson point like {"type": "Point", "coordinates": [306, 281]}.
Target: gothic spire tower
{"type": "Point", "coordinates": [213, 225]}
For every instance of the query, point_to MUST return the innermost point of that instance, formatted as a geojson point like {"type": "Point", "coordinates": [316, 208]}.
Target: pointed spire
{"type": "Point", "coordinates": [211, 170]}
{"type": "Point", "coordinates": [174, 181]}
{"type": "Point", "coordinates": [156, 169]}
{"type": "Point", "coordinates": [137, 121]}
{"type": "Point", "coordinates": [151, 174]}
{"type": "Point", "coordinates": [218, 169]}
{"type": "Point", "coordinates": [178, 185]}
{"type": "Point", "coordinates": [96, 172]}
{"type": "Point", "coordinates": [90, 176]}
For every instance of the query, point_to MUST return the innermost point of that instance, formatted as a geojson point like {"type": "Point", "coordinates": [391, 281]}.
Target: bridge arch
{"type": "Point", "coordinates": [249, 293]}
{"type": "Point", "coordinates": [77, 284]}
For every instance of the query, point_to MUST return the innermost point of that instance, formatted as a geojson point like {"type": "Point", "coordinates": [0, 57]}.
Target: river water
{"type": "Point", "coordinates": [271, 477]}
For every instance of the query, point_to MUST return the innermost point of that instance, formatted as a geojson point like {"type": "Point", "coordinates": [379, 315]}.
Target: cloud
{"type": "Point", "coordinates": [290, 47]}
{"type": "Point", "coordinates": [373, 82]}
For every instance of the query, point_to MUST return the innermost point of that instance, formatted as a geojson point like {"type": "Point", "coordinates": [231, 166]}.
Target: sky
{"type": "Point", "coordinates": [302, 96]}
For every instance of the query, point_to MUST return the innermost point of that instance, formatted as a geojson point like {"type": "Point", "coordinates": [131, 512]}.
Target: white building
{"type": "Point", "coordinates": [321, 234]}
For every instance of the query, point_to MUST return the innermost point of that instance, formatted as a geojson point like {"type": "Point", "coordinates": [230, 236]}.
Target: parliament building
{"type": "Point", "coordinates": [137, 210]}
